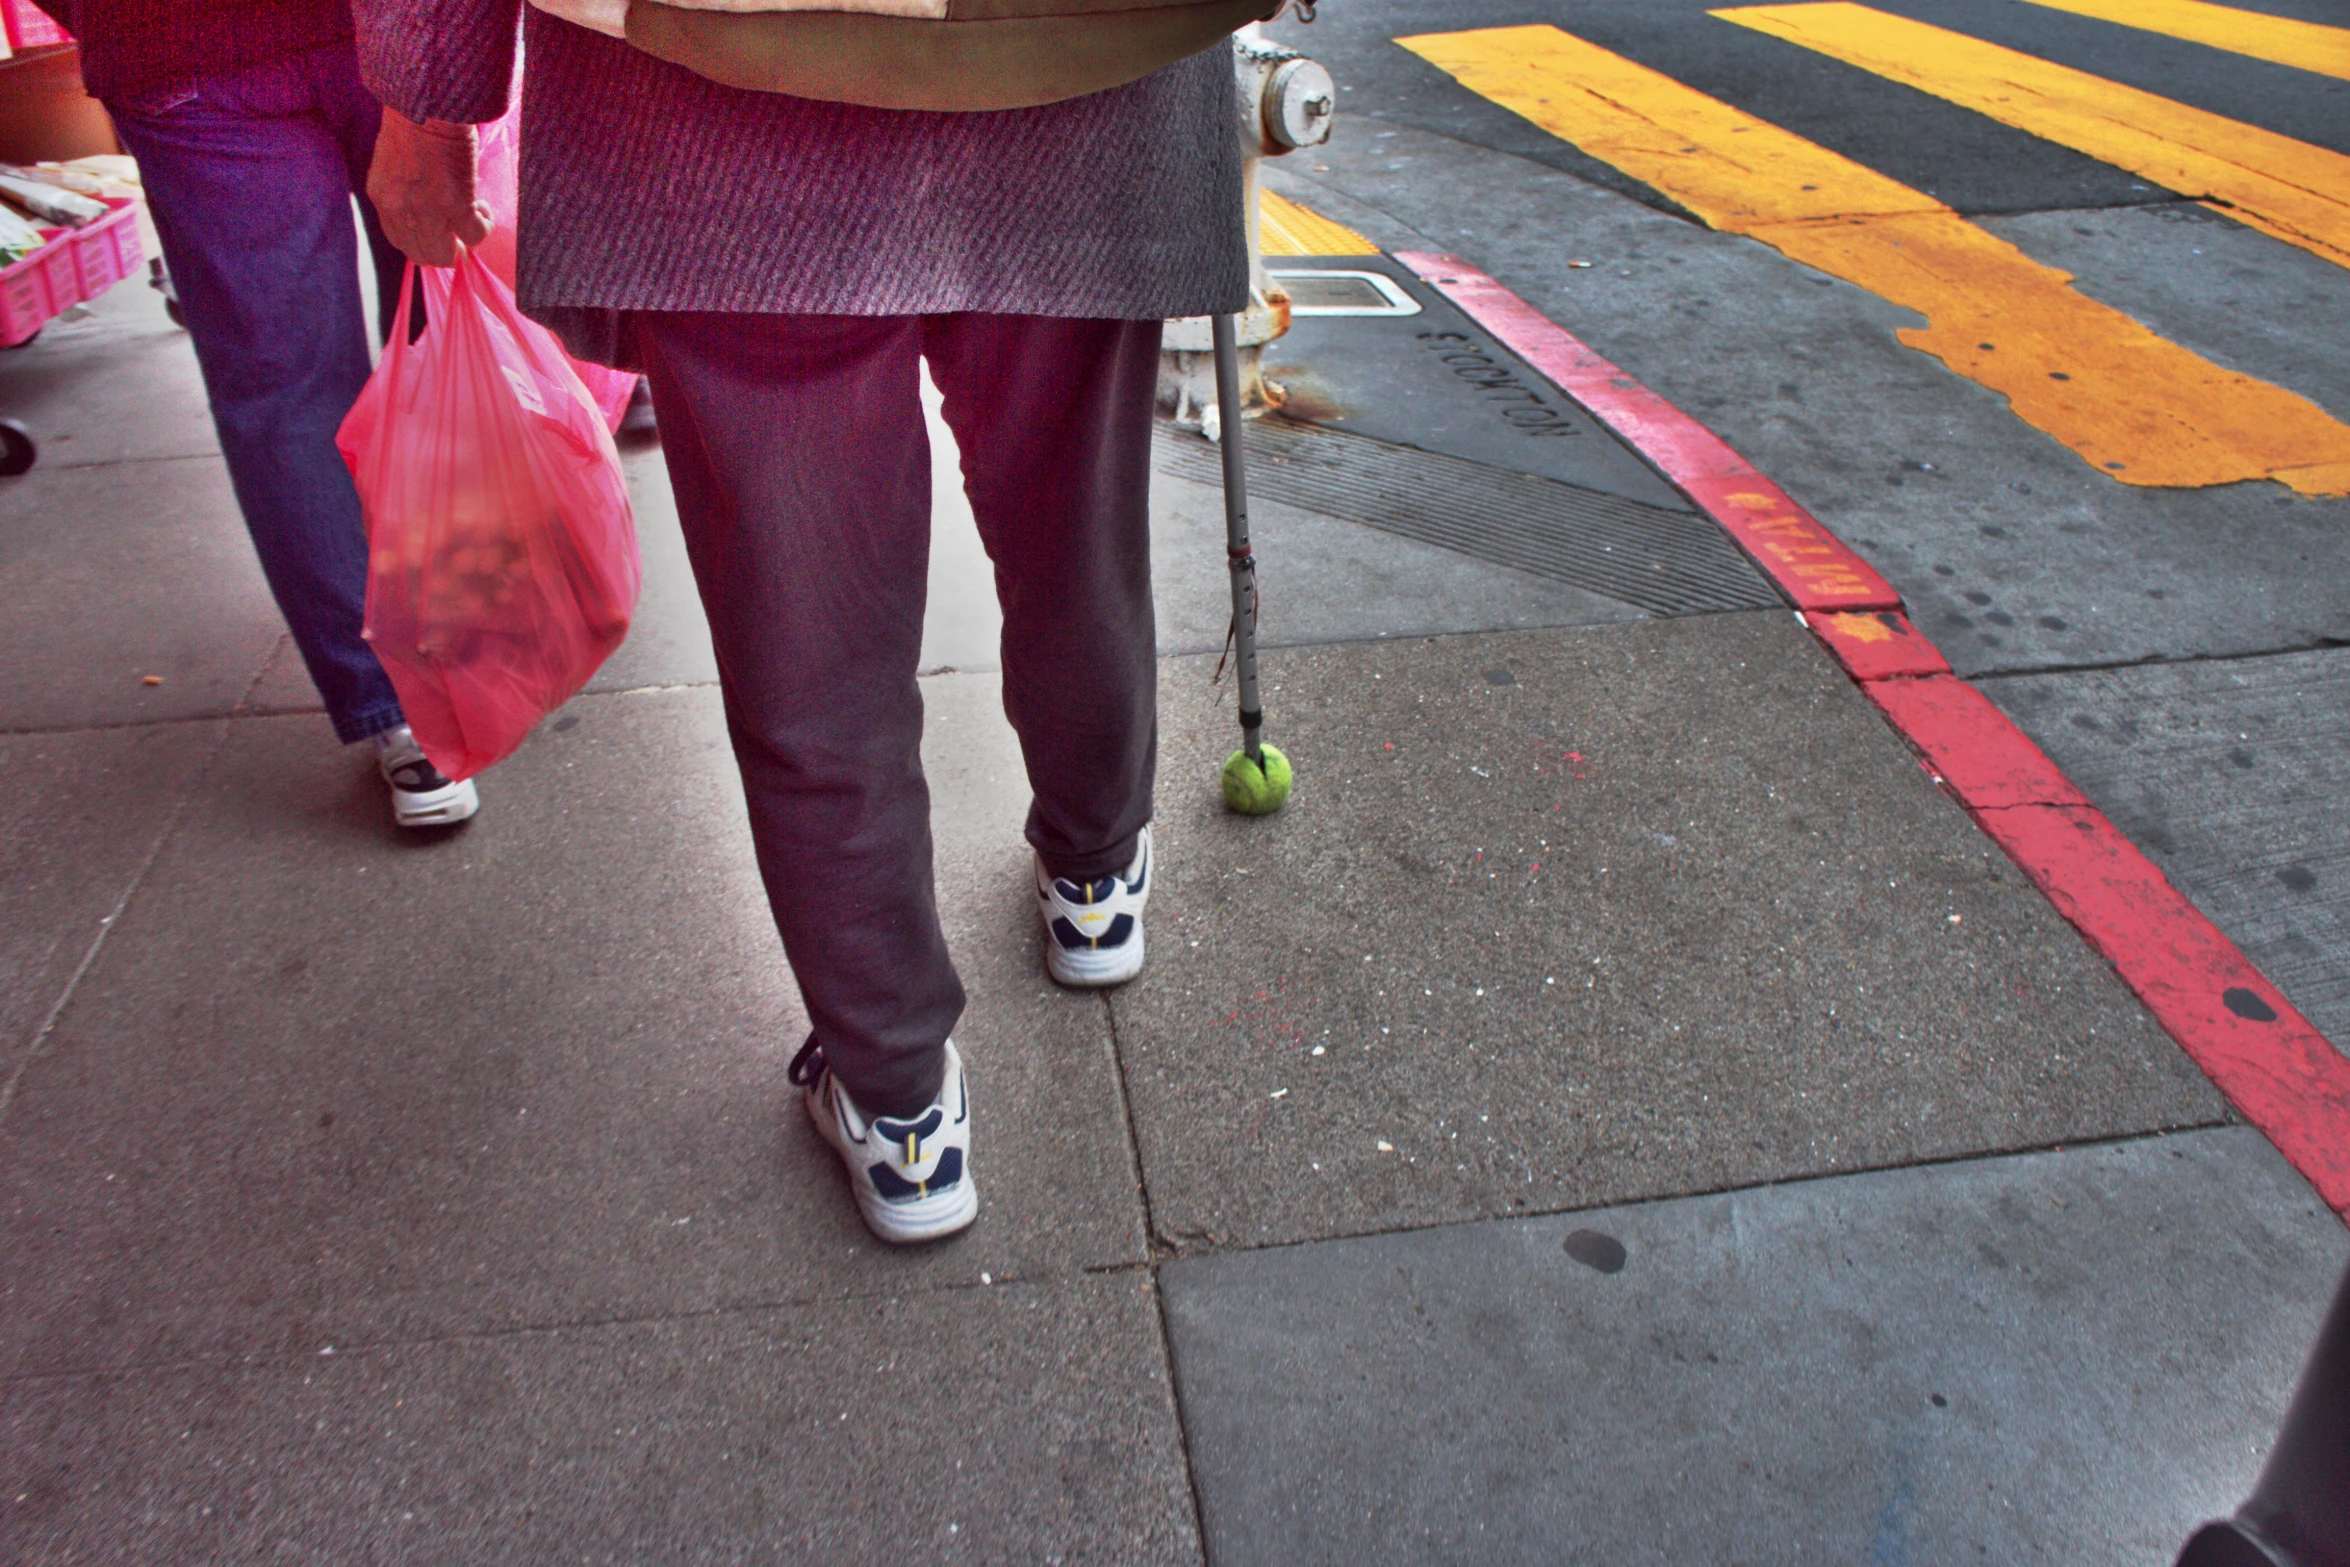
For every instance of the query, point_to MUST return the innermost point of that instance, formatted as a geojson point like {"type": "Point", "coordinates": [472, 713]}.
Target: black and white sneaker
{"type": "Point", "coordinates": [911, 1176]}
{"type": "Point", "coordinates": [1093, 929]}
{"type": "Point", "coordinates": [422, 795]}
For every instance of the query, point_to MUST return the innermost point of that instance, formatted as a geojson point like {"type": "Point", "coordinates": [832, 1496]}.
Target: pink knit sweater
{"type": "Point", "coordinates": [646, 187]}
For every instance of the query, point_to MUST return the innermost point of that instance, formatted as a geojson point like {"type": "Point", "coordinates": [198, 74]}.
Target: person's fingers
{"type": "Point", "coordinates": [431, 248]}
{"type": "Point", "coordinates": [405, 214]}
{"type": "Point", "coordinates": [419, 242]}
{"type": "Point", "coordinates": [424, 242]}
{"type": "Point", "coordinates": [422, 185]}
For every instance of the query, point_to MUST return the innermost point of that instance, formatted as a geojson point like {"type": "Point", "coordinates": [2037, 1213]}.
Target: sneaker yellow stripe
{"type": "Point", "coordinates": [2131, 403]}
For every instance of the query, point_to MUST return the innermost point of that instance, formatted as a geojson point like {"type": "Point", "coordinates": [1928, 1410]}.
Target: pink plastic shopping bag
{"type": "Point", "coordinates": [502, 563]}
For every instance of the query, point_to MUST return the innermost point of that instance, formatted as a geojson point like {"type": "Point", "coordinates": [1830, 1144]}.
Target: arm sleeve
{"type": "Point", "coordinates": [439, 59]}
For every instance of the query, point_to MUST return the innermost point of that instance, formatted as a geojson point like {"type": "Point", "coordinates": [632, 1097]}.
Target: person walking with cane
{"type": "Point", "coordinates": [777, 264]}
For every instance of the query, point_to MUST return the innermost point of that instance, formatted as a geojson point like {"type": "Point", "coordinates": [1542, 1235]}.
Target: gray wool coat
{"type": "Point", "coordinates": [646, 187]}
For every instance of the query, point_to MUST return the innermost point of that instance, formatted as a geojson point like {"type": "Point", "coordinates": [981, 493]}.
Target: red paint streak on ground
{"type": "Point", "coordinates": [2276, 1068]}
{"type": "Point", "coordinates": [1272, 1015]}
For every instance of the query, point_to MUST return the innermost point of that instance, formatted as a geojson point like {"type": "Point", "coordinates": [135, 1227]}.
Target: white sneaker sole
{"type": "Point", "coordinates": [908, 1220]}
{"type": "Point", "coordinates": [436, 807]}
{"type": "Point", "coordinates": [923, 1218]}
{"type": "Point", "coordinates": [1092, 968]}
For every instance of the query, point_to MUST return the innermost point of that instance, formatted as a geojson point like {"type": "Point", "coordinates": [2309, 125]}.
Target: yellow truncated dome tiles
{"type": "Point", "coordinates": [1291, 230]}
{"type": "Point", "coordinates": [2137, 406]}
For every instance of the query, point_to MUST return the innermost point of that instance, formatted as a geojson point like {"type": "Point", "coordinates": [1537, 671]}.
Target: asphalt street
{"type": "Point", "coordinates": [2180, 650]}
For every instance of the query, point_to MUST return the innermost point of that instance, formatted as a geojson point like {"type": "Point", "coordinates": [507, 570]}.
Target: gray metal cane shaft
{"type": "Point", "coordinates": [1236, 549]}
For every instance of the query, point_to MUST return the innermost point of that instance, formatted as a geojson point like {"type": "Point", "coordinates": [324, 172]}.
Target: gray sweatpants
{"type": "Point", "coordinates": [796, 449]}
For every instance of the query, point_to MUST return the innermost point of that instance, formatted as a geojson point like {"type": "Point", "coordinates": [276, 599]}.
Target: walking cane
{"type": "Point", "coordinates": [1257, 776]}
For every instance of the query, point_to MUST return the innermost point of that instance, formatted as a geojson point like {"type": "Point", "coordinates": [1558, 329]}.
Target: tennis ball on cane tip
{"type": "Point", "coordinates": [1252, 790]}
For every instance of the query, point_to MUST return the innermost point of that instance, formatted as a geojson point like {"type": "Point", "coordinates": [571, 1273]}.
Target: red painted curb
{"type": "Point", "coordinates": [2273, 1066]}
{"type": "Point", "coordinates": [1810, 564]}
{"type": "Point", "coordinates": [1976, 750]}
{"type": "Point", "coordinates": [2276, 1069]}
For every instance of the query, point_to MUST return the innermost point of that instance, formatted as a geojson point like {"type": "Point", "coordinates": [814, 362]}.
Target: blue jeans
{"type": "Point", "coordinates": [250, 176]}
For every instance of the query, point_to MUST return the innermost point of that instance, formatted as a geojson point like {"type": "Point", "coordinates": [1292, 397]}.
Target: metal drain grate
{"type": "Point", "coordinates": [1664, 562]}
{"type": "Point", "coordinates": [1332, 293]}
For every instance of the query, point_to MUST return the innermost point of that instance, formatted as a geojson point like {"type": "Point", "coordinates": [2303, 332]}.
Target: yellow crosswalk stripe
{"type": "Point", "coordinates": [1288, 229]}
{"type": "Point", "coordinates": [2282, 187]}
{"type": "Point", "coordinates": [2308, 46]}
{"type": "Point", "coordinates": [2135, 405]}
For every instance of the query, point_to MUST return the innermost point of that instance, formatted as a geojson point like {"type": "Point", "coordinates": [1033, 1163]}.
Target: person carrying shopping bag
{"type": "Point", "coordinates": [777, 265]}
{"type": "Point", "coordinates": [252, 133]}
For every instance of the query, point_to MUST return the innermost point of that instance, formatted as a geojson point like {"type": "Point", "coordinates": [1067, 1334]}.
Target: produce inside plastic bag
{"type": "Point", "coordinates": [502, 565]}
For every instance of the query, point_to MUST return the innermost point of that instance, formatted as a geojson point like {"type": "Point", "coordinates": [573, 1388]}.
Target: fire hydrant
{"type": "Point", "coordinates": [1286, 102]}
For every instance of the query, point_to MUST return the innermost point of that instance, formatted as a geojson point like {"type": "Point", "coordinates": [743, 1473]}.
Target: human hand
{"type": "Point", "coordinates": [422, 185]}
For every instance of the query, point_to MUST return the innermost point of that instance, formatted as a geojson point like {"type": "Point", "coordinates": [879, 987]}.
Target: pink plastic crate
{"type": "Point", "coordinates": [75, 265]}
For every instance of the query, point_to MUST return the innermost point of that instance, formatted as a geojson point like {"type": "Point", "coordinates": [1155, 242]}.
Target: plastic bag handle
{"type": "Point", "coordinates": [398, 347]}
{"type": "Point", "coordinates": [438, 285]}
{"type": "Point", "coordinates": [442, 286]}
{"type": "Point", "coordinates": [436, 290]}
{"type": "Point", "coordinates": [399, 333]}
{"type": "Point", "coordinates": [466, 278]}
{"type": "Point", "coordinates": [467, 275]}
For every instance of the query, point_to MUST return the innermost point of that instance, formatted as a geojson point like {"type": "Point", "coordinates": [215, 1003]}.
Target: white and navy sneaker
{"type": "Point", "coordinates": [422, 795]}
{"type": "Point", "coordinates": [1093, 929]}
{"type": "Point", "coordinates": [912, 1177]}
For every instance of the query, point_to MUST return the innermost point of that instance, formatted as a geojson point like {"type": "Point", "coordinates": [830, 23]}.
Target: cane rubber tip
{"type": "Point", "coordinates": [1256, 791]}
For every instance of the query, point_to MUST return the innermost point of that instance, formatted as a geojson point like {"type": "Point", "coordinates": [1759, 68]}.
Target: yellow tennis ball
{"type": "Point", "coordinates": [1256, 791]}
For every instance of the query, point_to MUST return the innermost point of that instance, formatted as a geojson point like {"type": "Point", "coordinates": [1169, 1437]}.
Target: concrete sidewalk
{"type": "Point", "coordinates": [1619, 1111]}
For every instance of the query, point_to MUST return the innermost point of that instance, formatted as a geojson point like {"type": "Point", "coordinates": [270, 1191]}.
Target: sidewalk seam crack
{"type": "Point", "coordinates": [236, 710]}
{"type": "Point", "coordinates": [1665, 1194]}
{"type": "Point", "coordinates": [2318, 643]}
{"type": "Point", "coordinates": [1150, 1223]}
{"type": "Point", "coordinates": [96, 463]}
{"type": "Point", "coordinates": [1152, 1256]}
{"type": "Point", "coordinates": [620, 1320]}
{"type": "Point", "coordinates": [37, 1047]}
